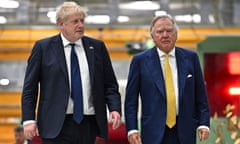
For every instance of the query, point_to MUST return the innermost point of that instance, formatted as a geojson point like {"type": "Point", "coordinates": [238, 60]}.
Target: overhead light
{"type": "Point", "coordinates": [3, 20]}
{"type": "Point", "coordinates": [9, 4]}
{"type": "Point", "coordinates": [122, 19]}
{"type": "Point", "coordinates": [95, 19]}
{"type": "Point", "coordinates": [180, 5]}
{"type": "Point", "coordinates": [196, 18]}
{"type": "Point", "coordinates": [98, 19]}
{"type": "Point", "coordinates": [4, 82]}
{"type": "Point", "coordinates": [52, 16]}
{"type": "Point", "coordinates": [158, 13]}
{"type": "Point", "coordinates": [53, 20]}
{"type": "Point", "coordinates": [140, 5]}
{"type": "Point", "coordinates": [211, 18]}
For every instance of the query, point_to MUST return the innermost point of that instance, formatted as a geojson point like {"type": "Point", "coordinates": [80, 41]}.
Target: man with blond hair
{"type": "Point", "coordinates": [76, 81]}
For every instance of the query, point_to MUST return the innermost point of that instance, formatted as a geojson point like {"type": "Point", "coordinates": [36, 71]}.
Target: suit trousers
{"type": "Point", "coordinates": [171, 135]}
{"type": "Point", "coordinates": [73, 133]}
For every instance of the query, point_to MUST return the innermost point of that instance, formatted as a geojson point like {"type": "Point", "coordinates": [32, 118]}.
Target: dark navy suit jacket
{"type": "Point", "coordinates": [47, 71]}
{"type": "Point", "coordinates": [146, 80]}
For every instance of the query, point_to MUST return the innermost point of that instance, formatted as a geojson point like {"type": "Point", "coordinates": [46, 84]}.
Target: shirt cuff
{"type": "Point", "coordinates": [203, 126]}
{"type": "Point", "coordinates": [29, 122]}
{"type": "Point", "coordinates": [132, 131]}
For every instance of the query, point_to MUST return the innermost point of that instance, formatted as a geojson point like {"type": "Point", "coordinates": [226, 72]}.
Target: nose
{"type": "Point", "coordinates": [165, 34]}
{"type": "Point", "coordinates": [80, 23]}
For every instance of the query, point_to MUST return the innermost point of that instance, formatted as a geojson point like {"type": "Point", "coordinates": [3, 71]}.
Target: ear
{"type": "Point", "coordinates": [60, 23]}
{"type": "Point", "coordinates": [176, 36]}
{"type": "Point", "coordinates": [151, 34]}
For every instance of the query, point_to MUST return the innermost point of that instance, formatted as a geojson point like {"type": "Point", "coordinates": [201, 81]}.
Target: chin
{"type": "Point", "coordinates": [79, 36]}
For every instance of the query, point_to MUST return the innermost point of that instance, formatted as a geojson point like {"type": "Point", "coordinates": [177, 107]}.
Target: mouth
{"type": "Point", "coordinates": [166, 42]}
{"type": "Point", "coordinates": [80, 31]}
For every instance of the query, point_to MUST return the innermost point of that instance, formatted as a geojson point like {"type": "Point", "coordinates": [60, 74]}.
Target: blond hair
{"type": "Point", "coordinates": [67, 9]}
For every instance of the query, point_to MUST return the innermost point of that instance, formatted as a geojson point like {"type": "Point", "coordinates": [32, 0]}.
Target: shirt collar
{"type": "Point", "coordinates": [67, 42]}
{"type": "Point", "coordinates": [161, 53]}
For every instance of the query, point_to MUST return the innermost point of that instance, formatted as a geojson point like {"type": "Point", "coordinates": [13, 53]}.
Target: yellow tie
{"type": "Point", "coordinates": [171, 99]}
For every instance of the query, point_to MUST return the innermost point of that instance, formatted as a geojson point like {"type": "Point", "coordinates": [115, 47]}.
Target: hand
{"type": "Point", "coordinates": [203, 134]}
{"type": "Point", "coordinates": [115, 119]}
{"type": "Point", "coordinates": [135, 138]}
{"type": "Point", "coordinates": [30, 131]}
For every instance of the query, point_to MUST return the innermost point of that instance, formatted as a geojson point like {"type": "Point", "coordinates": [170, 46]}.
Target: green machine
{"type": "Point", "coordinates": [220, 61]}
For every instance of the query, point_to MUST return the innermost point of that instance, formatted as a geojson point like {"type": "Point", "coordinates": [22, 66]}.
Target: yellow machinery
{"type": "Point", "coordinates": [17, 43]}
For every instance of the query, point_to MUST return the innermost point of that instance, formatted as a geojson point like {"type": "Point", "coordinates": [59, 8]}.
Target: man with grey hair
{"type": "Point", "coordinates": [169, 81]}
{"type": "Point", "coordinates": [76, 81]}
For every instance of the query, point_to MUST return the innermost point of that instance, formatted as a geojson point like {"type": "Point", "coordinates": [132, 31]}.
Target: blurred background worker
{"type": "Point", "coordinates": [19, 136]}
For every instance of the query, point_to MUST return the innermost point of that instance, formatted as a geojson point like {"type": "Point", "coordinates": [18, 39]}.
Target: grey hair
{"type": "Point", "coordinates": [67, 9]}
{"type": "Point", "coordinates": [160, 17]}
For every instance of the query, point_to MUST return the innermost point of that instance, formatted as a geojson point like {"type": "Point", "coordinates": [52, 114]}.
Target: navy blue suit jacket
{"type": "Point", "coordinates": [146, 80]}
{"type": "Point", "coordinates": [47, 67]}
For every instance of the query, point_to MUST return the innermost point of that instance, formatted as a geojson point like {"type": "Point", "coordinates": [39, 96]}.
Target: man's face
{"type": "Point", "coordinates": [72, 27]}
{"type": "Point", "coordinates": [19, 137]}
{"type": "Point", "coordinates": [164, 34]}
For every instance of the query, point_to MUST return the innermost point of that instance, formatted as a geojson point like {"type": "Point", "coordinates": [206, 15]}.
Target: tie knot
{"type": "Point", "coordinates": [167, 56]}
{"type": "Point", "coordinates": [72, 45]}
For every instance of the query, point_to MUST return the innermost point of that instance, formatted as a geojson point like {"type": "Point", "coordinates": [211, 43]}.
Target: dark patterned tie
{"type": "Point", "coordinates": [76, 87]}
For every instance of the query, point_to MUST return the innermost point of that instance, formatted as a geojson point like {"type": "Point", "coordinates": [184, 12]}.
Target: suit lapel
{"type": "Point", "coordinates": [154, 66]}
{"type": "Point", "coordinates": [182, 73]}
{"type": "Point", "coordinates": [59, 54]}
{"type": "Point", "coordinates": [89, 50]}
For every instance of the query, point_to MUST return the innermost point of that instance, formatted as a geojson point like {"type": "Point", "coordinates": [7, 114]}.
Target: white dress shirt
{"type": "Point", "coordinates": [173, 65]}
{"type": "Point", "coordinates": [85, 77]}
